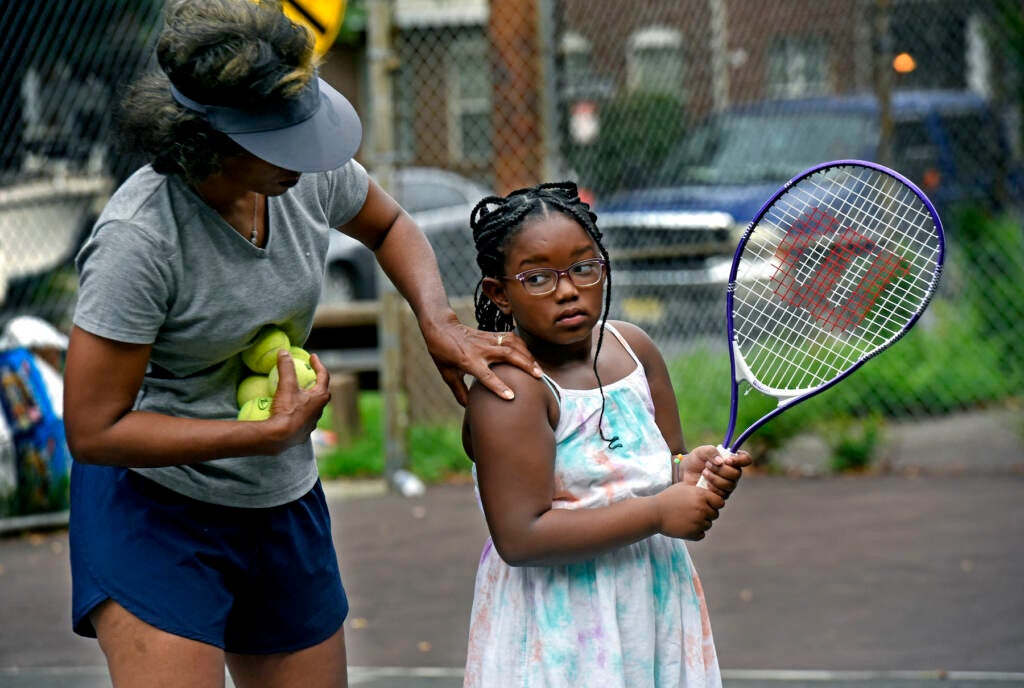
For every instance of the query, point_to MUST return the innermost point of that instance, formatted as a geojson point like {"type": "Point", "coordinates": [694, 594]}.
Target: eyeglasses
{"type": "Point", "coordinates": [541, 281]}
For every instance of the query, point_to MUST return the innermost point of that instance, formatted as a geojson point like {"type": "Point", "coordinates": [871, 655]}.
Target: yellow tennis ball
{"type": "Point", "coordinates": [256, 409]}
{"type": "Point", "coordinates": [252, 387]}
{"type": "Point", "coordinates": [261, 356]}
{"type": "Point", "coordinates": [304, 373]}
{"type": "Point", "coordinates": [299, 354]}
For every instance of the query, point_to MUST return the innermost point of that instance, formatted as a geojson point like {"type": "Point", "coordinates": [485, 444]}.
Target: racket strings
{"type": "Point", "coordinates": [835, 270]}
{"type": "Point", "coordinates": [830, 278]}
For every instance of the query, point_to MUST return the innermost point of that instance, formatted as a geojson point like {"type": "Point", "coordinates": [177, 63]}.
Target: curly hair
{"type": "Point", "coordinates": [217, 52]}
{"type": "Point", "coordinates": [496, 220]}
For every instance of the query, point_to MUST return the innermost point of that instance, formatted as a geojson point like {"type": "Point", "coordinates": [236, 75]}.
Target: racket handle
{"type": "Point", "coordinates": [725, 454]}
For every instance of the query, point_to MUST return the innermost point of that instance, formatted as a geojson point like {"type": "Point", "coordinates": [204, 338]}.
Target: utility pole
{"type": "Point", "coordinates": [883, 80]}
{"type": "Point", "coordinates": [719, 55]}
{"type": "Point", "coordinates": [516, 105]}
{"type": "Point", "coordinates": [382, 64]}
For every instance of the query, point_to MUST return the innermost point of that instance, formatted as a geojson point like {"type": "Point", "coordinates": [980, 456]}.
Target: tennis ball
{"type": "Point", "coordinates": [261, 356]}
{"type": "Point", "coordinates": [299, 354]}
{"type": "Point", "coordinates": [256, 409]}
{"type": "Point", "coordinates": [304, 373]}
{"type": "Point", "coordinates": [252, 387]}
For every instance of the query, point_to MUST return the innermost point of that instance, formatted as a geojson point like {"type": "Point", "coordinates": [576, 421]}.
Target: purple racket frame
{"type": "Point", "coordinates": [728, 442]}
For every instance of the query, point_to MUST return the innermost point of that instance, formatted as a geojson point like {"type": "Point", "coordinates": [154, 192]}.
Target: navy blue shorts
{"type": "Point", "coordinates": [250, 581]}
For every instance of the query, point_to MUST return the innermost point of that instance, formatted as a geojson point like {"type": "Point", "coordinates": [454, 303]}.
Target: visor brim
{"type": "Point", "coordinates": [323, 142]}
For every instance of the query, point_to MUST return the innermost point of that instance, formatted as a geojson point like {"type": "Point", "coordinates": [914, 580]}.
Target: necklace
{"type": "Point", "coordinates": [254, 237]}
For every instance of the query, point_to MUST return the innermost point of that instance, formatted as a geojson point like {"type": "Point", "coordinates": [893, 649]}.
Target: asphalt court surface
{"type": "Point", "coordinates": [427, 677]}
{"type": "Point", "coordinates": [826, 576]}
{"type": "Point", "coordinates": [907, 579]}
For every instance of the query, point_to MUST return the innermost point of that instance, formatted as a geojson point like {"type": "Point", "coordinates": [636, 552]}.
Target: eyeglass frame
{"type": "Point", "coordinates": [559, 274]}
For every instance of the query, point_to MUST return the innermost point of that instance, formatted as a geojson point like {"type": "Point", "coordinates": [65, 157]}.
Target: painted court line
{"type": "Point", "coordinates": [360, 675]}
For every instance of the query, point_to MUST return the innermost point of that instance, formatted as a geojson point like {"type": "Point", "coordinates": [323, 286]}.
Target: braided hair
{"type": "Point", "coordinates": [496, 220]}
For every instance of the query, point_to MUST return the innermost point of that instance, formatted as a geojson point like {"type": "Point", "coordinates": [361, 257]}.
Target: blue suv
{"type": "Point", "coordinates": [682, 228]}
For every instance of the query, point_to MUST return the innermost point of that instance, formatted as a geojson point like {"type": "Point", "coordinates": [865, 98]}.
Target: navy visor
{"type": "Point", "coordinates": [316, 131]}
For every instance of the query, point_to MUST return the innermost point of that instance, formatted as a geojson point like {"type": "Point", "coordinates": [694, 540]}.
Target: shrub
{"type": "Point", "coordinates": [636, 132]}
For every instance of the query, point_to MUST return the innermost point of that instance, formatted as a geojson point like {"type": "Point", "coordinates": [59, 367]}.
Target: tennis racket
{"type": "Point", "coordinates": [834, 269]}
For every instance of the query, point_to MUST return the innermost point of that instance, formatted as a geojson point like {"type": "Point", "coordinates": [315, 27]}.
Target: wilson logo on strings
{"type": "Point", "coordinates": [815, 260]}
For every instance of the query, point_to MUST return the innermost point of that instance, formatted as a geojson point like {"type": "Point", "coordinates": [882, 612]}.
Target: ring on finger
{"type": "Point", "coordinates": [501, 338]}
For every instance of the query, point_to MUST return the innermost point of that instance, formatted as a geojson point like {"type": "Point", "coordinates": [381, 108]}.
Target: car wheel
{"type": "Point", "coordinates": [338, 287]}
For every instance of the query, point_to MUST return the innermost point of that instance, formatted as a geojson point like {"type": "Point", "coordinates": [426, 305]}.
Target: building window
{"type": "Point", "coordinates": [576, 55]}
{"type": "Point", "coordinates": [798, 67]}
{"type": "Point", "coordinates": [469, 100]}
{"type": "Point", "coordinates": [654, 62]}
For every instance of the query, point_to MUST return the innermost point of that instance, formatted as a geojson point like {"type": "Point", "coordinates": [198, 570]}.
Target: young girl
{"type": "Point", "coordinates": [583, 480]}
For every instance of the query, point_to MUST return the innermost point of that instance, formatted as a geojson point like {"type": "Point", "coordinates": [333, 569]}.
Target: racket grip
{"type": "Point", "coordinates": [725, 454]}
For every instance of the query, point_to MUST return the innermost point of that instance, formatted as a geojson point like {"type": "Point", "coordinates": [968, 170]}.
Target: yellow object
{"type": "Point", "coordinates": [299, 354]}
{"type": "Point", "coordinates": [304, 373]}
{"type": "Point", "coordinates": [261, 356]}
{"type": "Point", "coordinates": [252, 387]}
{"type": "Point", "coordinates": [322, 17]}
{"type": "Point", "coordinates": [256, 409]}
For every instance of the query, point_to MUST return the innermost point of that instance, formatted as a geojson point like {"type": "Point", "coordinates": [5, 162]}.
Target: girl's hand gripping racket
{"type": "Point", "coordinates": [835, 267]}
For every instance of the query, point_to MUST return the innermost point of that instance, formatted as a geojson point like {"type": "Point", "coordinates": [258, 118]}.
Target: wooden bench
{"type": "Point", "coordinates": [353, 326]}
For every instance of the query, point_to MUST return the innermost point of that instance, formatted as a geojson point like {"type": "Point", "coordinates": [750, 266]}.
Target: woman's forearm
{"type": "Point", "coordinates": [408, 260]}
{"type": "Point", "coordinates": [142, 439]}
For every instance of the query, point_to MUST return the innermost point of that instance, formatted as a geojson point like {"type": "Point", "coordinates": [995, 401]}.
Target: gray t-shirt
{"type": "Point", "coordinates": [163, 268]}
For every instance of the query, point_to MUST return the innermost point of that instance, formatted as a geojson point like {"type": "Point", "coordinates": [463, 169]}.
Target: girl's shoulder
{"type": "Point", "coordinates": [637, 339]}
{"type": "Point", "coordinates": [528, 389]}
{"type": "Point", "coordinates": [534, 399]}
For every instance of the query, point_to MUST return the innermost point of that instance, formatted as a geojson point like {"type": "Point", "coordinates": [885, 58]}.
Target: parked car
{"type": "Point", "coordinates": [440, 201]}
{"type": "Point", "coordinates": [682, 230]}
{"type": "Point", "coordinates": [44, 217]}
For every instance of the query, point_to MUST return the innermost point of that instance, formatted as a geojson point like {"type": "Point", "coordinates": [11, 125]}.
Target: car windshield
{"type": "Point", "coordinates": [745, 148]}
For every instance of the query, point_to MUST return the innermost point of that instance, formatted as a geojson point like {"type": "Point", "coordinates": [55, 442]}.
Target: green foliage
{"type": "Point", "coordinates": [365, 456]}
{"type": "Point", "coordinates": [353, 25]}
{"type": "Point", "coordinates": [435, 451]}
{"type": "Point", "coordinates": [992, 249]}
{"type": "Point", "coordinates": [636, 132]}
{"type": "Point", "coordinates": [854, 442]}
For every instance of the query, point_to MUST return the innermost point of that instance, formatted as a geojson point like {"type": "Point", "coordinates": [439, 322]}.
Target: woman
{"type": "Point", "coordinates": [199, 540]}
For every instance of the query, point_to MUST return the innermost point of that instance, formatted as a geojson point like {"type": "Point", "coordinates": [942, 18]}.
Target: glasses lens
{"type": "Point", "coordinates": [539, 281]}
{"type": "Point", "coordinates": [586, 273]}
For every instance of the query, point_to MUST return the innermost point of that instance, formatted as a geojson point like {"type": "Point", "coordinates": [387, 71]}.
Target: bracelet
{"type": "Point", "coordinates": [678, 458]}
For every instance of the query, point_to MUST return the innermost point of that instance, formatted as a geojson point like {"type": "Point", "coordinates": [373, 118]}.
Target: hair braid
{"type": "Point", "coordinates": [496, 220]}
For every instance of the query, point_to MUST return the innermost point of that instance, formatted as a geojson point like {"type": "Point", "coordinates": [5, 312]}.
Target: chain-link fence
{"type": "Point", "coordinates": [678, 118]}
{"type": "Point", "coordinates": [61, 66]}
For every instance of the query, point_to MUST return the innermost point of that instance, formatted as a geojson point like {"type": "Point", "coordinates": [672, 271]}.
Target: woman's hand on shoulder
{"type": "Point", "coordinates": [527, 392]}
{"type": "Point", "coordinates": [459, 350]}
